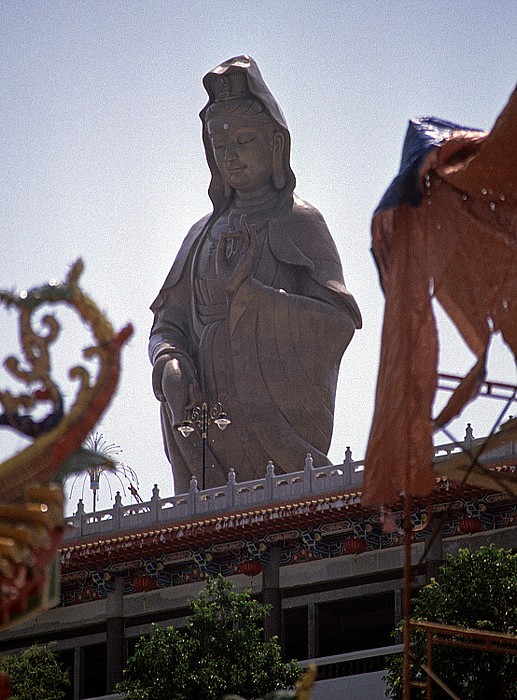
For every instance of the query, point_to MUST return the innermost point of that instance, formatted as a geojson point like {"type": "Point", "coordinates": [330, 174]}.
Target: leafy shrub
{"type": "Point", "coordinates": [220, 651]}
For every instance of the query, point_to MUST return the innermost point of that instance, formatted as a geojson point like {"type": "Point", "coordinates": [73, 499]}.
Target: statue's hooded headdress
{"type": "Point", "coordinates": [240, 77]}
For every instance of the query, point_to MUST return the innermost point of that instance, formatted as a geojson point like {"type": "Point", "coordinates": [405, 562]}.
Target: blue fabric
{"type": "Point", "coordinates": [423, 134]}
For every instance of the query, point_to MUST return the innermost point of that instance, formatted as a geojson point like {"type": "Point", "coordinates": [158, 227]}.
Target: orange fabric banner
{"type": "Point", "coordinates": [455, 237]}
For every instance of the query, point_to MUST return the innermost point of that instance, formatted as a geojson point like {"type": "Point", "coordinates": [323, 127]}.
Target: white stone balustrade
{"type": "Point", "coordinates": [273, 488]}
{"type": "Point", "coordinates": [508, 449]}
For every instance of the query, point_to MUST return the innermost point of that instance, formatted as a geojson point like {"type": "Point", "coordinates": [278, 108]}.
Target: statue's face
{"type": "Point", "coordinates": [242, 151]}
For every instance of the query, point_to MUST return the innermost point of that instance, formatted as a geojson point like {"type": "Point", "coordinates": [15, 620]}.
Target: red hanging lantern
{"type": "Point", "coordinates": [144, 583]}
{"type": "Point", "coordinates": [250, 568]}
{"type": "Point", "coordinates": [355, 545]}
{"type": "Point", "coordinates": [469, 526]}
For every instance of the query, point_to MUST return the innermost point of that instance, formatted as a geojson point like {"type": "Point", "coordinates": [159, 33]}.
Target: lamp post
{"type": "Point", "coordinates": [201, 417]}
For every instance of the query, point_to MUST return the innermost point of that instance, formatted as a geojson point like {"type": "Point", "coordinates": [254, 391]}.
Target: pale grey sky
{"type": "Point", "coordinates": [101, 155]}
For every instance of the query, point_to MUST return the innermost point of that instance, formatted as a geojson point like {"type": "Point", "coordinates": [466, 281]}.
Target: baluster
{"type": "Point", "coordinates": [269, 480]}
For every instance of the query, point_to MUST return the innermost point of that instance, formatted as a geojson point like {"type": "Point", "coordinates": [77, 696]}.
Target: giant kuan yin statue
{"type": "Point", "coordinates": [254, 312]}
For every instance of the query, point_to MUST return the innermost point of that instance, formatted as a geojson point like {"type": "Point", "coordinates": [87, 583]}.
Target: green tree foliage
{"type": "Point", "coordinates": [36, 675]}
{"type": "Point", "coordinates": [220, 651]}
{"type": "Point", "coordinates": [476, 590]}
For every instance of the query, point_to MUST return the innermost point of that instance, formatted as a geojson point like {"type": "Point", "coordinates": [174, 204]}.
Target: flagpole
{"type": "Point", "coordinates": [408, 536]}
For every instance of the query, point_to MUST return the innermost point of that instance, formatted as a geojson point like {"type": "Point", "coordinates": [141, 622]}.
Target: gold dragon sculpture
{"type": "Point", "coordinates": [31, 506]}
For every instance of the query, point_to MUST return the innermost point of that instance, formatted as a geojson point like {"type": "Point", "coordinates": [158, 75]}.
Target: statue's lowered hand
{"type": "Point", "coordinates": [178, 385]}
{"type": "Point", "coordinates": [235, 254]}
{"type": "Point", "coordinates": [194, 397]}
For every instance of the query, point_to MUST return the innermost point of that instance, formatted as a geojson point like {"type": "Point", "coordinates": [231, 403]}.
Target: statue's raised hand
{"type": "Point", "coordinates": [235, 254]}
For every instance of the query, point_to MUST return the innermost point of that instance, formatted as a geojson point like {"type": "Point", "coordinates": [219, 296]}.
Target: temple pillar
{"type": "Point", "coordinates": [78, 679]}
{"type": "Point", "coordinates": [115, 638]}
{"type": "Point", "coordinates": [434, 558]}
{"type": "Point", "coordinates": [312, 631]}
{"type": "Point", "coordinates": [272, 595]}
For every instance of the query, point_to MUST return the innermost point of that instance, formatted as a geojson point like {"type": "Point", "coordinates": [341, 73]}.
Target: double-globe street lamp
{"type": "Point", "coordinates": [201, 417]}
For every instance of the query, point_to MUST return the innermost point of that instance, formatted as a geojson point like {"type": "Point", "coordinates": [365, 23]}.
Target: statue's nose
{"type": "Point", "coordinates": [231, 151]}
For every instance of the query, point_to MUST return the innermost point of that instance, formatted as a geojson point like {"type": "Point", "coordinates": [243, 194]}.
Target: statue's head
{"type": "Point", "coordinates": [247, 146]}
{"type": "Point", "coordinates": [246, 139]}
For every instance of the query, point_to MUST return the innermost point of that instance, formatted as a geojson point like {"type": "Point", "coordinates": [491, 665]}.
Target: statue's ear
{"type": "Point", "coordinates": [278, 161]}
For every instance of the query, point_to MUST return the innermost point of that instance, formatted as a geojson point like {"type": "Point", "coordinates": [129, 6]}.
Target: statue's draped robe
{"type": "Point", "coordinates": [447, 227]}
{"type": "Point", "coordinates": [270, 352]}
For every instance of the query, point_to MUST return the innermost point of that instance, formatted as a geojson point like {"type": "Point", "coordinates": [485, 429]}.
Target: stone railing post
{"type": "Point", "coordinates": [230, 489]}
{"type": "Point", "coordinates": [269, 481]}
{"type": "Point", "coordinates": [193, 497]}
{"type": "Point", "coordinates": [155, 504]}
{"type": "Point", "coordinates": [469, 437]}
{"type": "Point", "coordinates": [307, 474]}
{"type": "Point", "coordinates": [117, 506]}
{"type": "Point", "coordinates": [79, 516]}
{"type": "Point", "coordinates": [348, 467]}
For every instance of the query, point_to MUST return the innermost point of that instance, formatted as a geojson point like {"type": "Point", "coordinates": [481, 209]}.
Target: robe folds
{"type": "Point", "coordinates": [275, 348]}
{"type": "Point", "coordinates": [446, 227]}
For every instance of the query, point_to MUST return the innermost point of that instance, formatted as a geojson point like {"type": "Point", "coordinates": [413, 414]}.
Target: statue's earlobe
{"type": "Point", "coordinates": [278, 161]}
